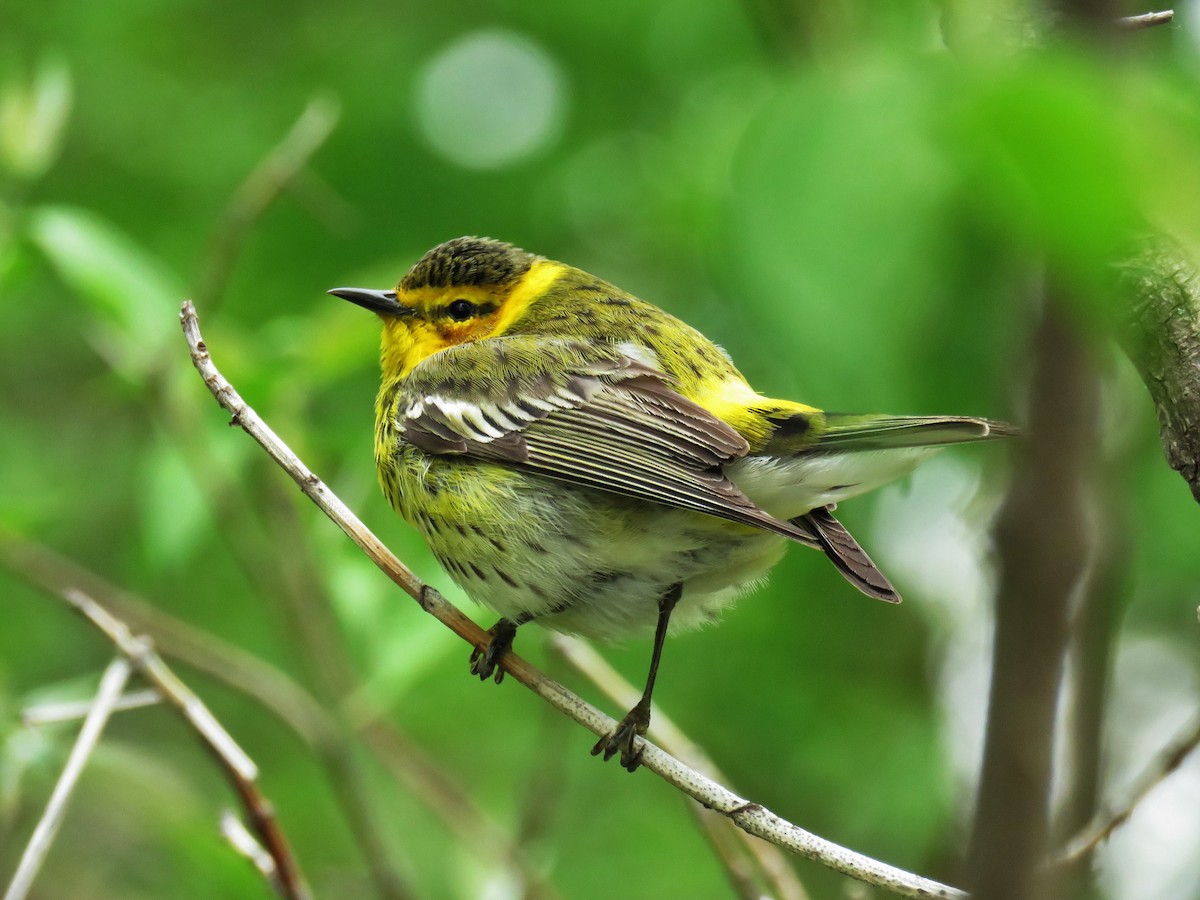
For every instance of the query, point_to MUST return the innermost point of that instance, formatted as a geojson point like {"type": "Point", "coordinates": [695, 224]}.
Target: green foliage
{"type": "Point", "coordinates": [857, 213]}
{"type": "Point", "coordinates": [127, 291]}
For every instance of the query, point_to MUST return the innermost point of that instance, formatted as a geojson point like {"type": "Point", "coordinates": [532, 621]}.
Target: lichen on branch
{"type": "Point", "coordinates": [1162, 338]}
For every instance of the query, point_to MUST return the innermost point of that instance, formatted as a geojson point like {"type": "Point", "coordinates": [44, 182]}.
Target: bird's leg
{"type": "Point", "coordinates": [637, 720]}
{"type": "Point", "coordinates": [484, 660]}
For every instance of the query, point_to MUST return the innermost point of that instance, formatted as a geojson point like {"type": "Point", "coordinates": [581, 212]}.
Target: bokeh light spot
{"type": "Point", "coordinates": [491, 99]}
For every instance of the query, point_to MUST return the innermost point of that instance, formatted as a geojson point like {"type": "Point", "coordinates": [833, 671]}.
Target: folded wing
{"type": "Point", "coordinates": [597, 417]}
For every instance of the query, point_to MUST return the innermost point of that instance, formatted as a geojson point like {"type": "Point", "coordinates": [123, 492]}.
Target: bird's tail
{"type": "Point", "coordinates": [874, 432]}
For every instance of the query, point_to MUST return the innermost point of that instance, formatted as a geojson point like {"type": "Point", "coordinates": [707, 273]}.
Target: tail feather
{"type": "Point", "coordinates": [845, 553]}
{"type": "Point", "coordinates": [871, 432]}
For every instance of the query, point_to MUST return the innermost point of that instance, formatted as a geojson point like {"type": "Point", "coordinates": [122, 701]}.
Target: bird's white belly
{"type": "Point", "coordinates": [787, 487]}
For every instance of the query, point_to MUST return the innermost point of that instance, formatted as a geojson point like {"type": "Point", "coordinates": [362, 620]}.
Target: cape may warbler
{"type": "Point", "coordinates": [577, 457]}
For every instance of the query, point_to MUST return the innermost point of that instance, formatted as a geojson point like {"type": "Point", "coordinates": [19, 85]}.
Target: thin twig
{"type": "Point", "coordinates": [53, 573]}
{"type": "Point", "coordinates": [749, 816]}
{"type": "Point", "coordinates": [1108, 821]}
{"type": "Point", "coordinates": [238, 767]}
{"type": "Point", "coordinates": [773, 866]}
{"type": "Point", "coordinates": [175, 692]}
{"type": "Point", "coordinates": [1096, 623]}
{"type": "Point", "coordinates": [54, 713]}
{"type": "Point", "coordinates": [1146, 20]}
{"type": "Point", "coordinates": [262, 186]}
{"type": "Point", "coordinates": [245, 845]}
{"type": "Point", "coordinates": [285, 698]}
{"type": "Point", "coordinates": [111, 686]}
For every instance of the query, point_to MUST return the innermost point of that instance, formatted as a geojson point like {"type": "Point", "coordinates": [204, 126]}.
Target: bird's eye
{"type": "Point", "coordinates": [461, 310]}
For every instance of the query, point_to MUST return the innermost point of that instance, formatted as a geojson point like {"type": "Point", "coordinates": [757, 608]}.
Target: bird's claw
{"type": "Point", "coordinates": [626, 739]}
{"type": "Point", "coordinates": [485, 660]}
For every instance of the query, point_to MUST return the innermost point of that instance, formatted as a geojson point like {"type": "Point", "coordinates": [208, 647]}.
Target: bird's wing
{"type": "Point", "coordinates": [589, 414]}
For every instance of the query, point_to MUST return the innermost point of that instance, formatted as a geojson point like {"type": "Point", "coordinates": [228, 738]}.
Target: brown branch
{"type": "Point", "coordinates": [749, 816]}
{"type": "Point", "coordinates": [245, 845]}
{"type": "Point", "coordinates": [233, 761]}
{"type": "Point", "coordinates": [1043, 548]}
{"type": "Point", "coordinates": [1162, 338]}
{"type": "Point", "coordinates": [48, 571]}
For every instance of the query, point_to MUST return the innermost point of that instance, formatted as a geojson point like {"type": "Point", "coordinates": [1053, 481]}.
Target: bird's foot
{"type": "Point", "coordinates": [626, 738]}
{"type": "Point", "coordinates": [485, 661]}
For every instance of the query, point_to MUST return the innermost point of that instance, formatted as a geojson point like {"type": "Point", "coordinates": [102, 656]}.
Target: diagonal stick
{"type": "Point", "coordinates": [111, 686]}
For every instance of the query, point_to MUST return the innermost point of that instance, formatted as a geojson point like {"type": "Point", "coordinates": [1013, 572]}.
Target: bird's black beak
{"type": "Point", "coordinates": [382, 302]}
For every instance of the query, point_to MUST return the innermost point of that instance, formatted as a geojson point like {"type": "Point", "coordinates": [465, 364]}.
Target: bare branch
{"type": "Point", "coordinates": [196, 648]}
{"type": "Point", "coordinates": [1044, 545]}
{"type": "Point", "coordinates": [749, 816]}
{"type": "Point", "coordinates": [1096, 623]}
{"type": "Point", "coordinates": [289, 701]}
{"type": "Point", "coordinates": [111, 686]}
{"type": "Point", "coordinates": [244, 844]}
{"type": "Point", "coordinates": [141, 653]}
{"type": "Point", "coordinates": [326, 733]}
{"type": "Point", "coordinates": [1109, 820]}
{"type": "Point", "coordinates": [54, 713]}
{"type": "Point", "coordinates": [238, 767]}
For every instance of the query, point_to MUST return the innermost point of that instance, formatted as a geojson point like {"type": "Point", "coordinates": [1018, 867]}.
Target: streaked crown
{"type": "Point", "coordinates": [468, 262]}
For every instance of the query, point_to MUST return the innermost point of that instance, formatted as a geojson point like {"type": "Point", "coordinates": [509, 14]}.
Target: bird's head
{"type": "Point", "coordinates": [467, 289]}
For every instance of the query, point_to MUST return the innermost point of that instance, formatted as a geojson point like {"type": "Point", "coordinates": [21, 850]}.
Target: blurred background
{"type": "Point", "coordinates": [859, 201]}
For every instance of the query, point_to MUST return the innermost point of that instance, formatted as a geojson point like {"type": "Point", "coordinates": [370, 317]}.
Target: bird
{"type": "Point", "coordinates": [578, 457]}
